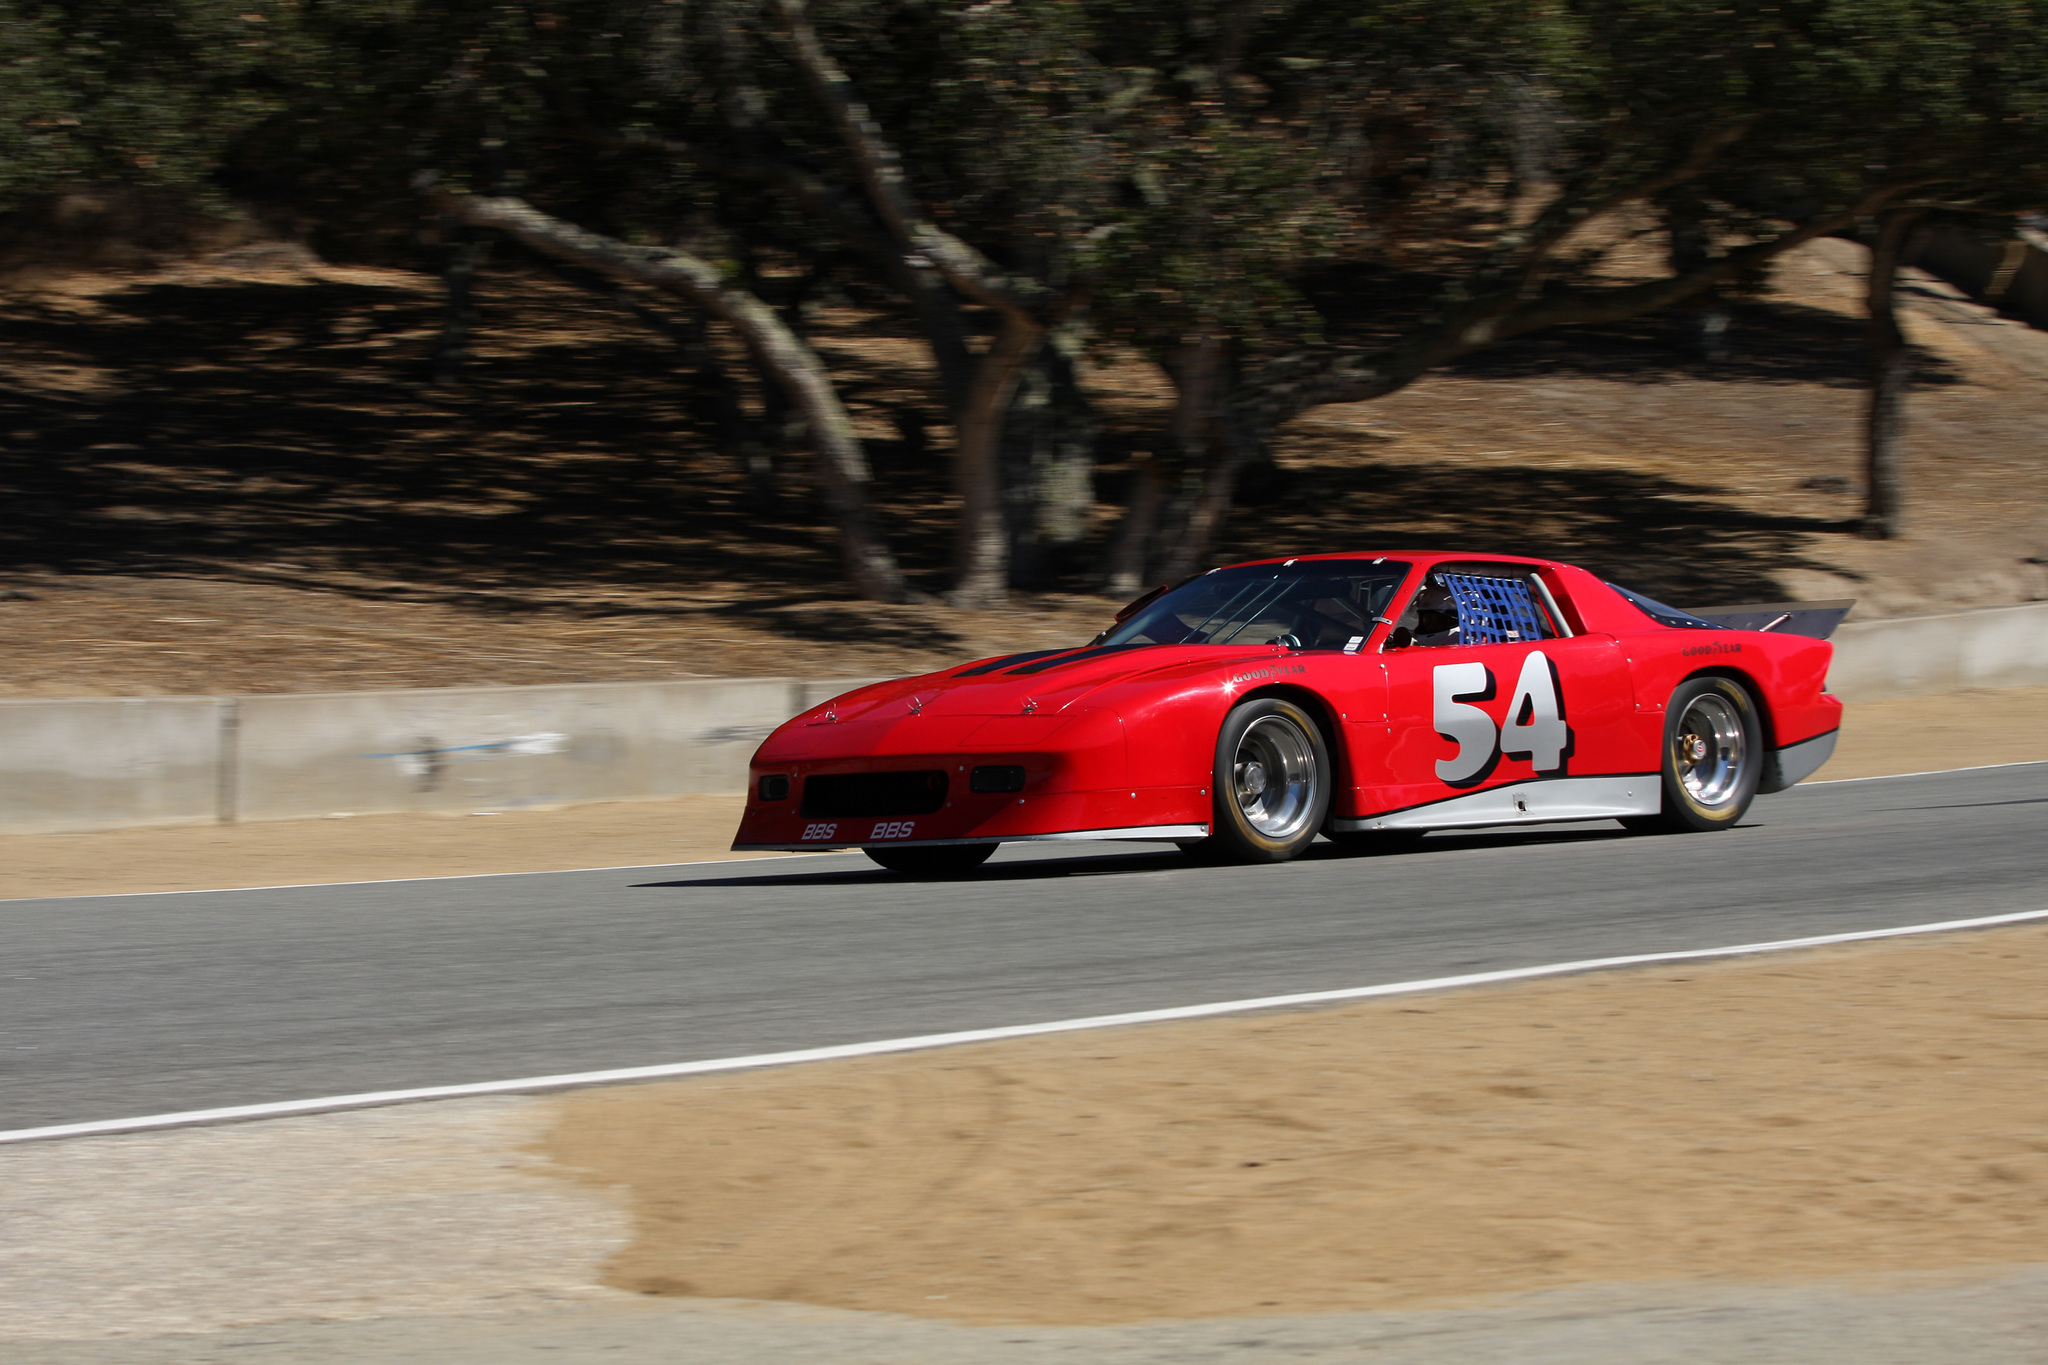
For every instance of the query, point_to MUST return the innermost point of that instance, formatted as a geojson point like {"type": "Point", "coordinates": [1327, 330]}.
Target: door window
{"type": "Point", "coordinates": [1475, 604]}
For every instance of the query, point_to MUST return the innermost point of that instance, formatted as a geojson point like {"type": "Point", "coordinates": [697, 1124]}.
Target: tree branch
{"type": "Point", "coordinates": [1290, 385]}
{"type": "Point", "coordinates": [881, 169]}
{"type": "Point", "coordinates": [841, 467]}
{"type": "Point", "coordinates": [1563, 217]}
{"type": "Point", "coordinates": [936, 306]}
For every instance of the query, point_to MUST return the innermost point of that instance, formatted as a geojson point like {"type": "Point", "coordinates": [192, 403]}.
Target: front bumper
{"type": "Point", "coordinates": [1154, 813]}
{"type": "Point", "coordinates": [1151, 834]}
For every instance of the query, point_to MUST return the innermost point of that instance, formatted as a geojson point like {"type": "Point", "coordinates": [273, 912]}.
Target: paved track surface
{"type": "Point", "coordinates": [119, 1006]}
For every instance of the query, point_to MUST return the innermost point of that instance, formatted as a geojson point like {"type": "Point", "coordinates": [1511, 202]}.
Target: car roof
{"type": "Point", "coordinates": [1420, 558]}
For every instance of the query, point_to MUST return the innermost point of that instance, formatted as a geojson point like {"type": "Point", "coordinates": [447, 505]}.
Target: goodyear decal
{"type": "Point", "coordinates": [1273, 671]}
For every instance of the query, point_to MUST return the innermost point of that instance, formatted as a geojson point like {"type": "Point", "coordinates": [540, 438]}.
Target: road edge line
{"type": "Point", "coordinates": [437, 877]}
{"type": "Point", "coordinates": [931, 1041]}
{"type": "Point", "coordinates": [1930, 772]}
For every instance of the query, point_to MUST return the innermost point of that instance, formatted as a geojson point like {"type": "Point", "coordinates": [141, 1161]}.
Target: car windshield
{"type": "Point", "coordinates": [1319, 604]}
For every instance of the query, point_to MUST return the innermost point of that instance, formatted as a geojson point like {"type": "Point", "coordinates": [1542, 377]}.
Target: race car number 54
{"type": "Point", "coordinates": [1535, 727]}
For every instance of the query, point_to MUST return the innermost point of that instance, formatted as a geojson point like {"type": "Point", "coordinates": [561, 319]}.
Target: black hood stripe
{"type": "Point", "coordinates": [1074, 657]}
{"type": "Point", "coordinates": [993, 664]}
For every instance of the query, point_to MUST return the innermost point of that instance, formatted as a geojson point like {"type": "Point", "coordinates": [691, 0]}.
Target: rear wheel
{"type": "Point", "coordinates": [1272, 783]}
{"type": "Point", "coordinates": [939, 860]}
{"type": "Point", "coordinates": [1713, 758]}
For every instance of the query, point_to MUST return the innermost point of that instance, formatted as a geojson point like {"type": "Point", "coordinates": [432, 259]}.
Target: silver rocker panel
{"type": "Point", "coordinates": [1543, 801]}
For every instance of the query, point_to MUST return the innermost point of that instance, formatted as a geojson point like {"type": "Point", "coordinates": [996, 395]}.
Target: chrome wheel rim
{"type": "Point", "coordinates": [1274, 778]}
{"type": "Point", "coordinates": [1711, 749]}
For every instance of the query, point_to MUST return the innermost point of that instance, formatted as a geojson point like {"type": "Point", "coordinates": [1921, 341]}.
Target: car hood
{"type": "Point", "coordinates": [1044, 684]}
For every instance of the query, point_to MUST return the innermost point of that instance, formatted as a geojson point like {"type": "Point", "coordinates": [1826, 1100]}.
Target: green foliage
{"type": "Point", "coordinates": [146, 95]}
{"type": "Point", "coordinates": [1188, 164]}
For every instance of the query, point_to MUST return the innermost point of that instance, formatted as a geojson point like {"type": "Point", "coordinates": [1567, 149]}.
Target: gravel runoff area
{"type": "Point", "coordinates": [1634, 1167]}
{"type": "Point", "coordinates": [1834, 1156]}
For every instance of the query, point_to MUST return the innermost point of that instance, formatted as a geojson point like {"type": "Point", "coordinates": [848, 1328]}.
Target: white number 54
{"type": "Point", "coordinates": [1535, 727]}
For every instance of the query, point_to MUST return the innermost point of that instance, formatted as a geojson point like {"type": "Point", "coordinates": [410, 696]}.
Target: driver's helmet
{"type": "Point", "coordinates": [1436, 615]}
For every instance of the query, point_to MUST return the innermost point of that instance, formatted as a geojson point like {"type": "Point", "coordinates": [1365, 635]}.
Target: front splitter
{"type": "Point", "coordinates": [1150, 834]}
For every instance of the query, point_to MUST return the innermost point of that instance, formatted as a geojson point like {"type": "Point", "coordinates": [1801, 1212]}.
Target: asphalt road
{"type": "Point", "coordinates": [112, 1007]}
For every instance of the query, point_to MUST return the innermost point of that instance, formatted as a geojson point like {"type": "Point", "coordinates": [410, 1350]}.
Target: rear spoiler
{"type": "Point", "coordinates": [1815, 619]}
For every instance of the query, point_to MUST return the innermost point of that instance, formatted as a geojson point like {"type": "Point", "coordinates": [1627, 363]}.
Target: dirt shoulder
{"type": "Point", "coordinates": [1823, 1152]}
{"type": "Point", "coordinates": [1836, 1113]}
{"type": "Point", "coordinates": [369, 848]}
{"type": "Point", "coordinates": [1919, 734]}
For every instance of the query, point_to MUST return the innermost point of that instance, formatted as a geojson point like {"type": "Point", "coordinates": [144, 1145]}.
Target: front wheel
{"type": "Point", "coordinates": [938, 860]}
{"type": "Point", "coordinates": [1713, 758]}
{"type": "Point", "coordinates": [1272, 787]}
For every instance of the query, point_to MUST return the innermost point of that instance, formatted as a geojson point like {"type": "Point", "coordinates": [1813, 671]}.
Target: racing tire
{"type": "Point", "coordinates": [1272, 783]}
{"type": "Point", "coordinates": [1713, 759]}
{"type": "Point", "coordinates": [1375, 842]}
{"type": "Point", "coordinates": [939, 860]}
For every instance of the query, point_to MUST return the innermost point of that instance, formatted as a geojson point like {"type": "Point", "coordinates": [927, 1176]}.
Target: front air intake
{"type": "Point", "coordinates": [878, 794]}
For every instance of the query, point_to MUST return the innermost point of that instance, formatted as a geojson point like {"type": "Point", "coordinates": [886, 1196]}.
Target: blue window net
{"type": "Point", "coordinates": [1494, 611]}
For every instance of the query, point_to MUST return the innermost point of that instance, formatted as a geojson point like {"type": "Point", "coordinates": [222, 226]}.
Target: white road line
{"type": "Point", "coordinates": [447, 877]}
{"type": "Point", "coordinates": [928, 1041]}
{"type": "Point", "coordinates": [1931, 772]}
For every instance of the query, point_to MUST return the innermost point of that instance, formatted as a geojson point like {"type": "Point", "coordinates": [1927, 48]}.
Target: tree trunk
{"type": "Point", "coordinates": [1027, 305]}
{"type": "Point", "coordinates": [465, 253]}
{"type": "Point", "coordinates": [1127, 557]}
{"type": "Point", "coordinates": [1707, 316]}
{"type": "Point", "coordinates": [840, 465]}
{"type": "Point", "coordinates": [984, 549]}
{"type": "Point", "coordinates": [1884, 421]}
{"type": "Point", "coordinates": [1210, 442]}
{"type": "Point", "coordinates": [944, 324]}
{"type": "Point", "coordinates": [1048, 466]}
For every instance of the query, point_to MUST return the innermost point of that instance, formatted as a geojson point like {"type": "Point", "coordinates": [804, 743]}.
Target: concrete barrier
{"type": "Point", "coordinates": [504, 748]}
{"type": "Point", "coordinates": [108, 762]}
{"type": "Point", "coordinates": [1912, 656]}
{"type": "Point", "coordinates": [114, 762]}
{"type": "Point", "coordinates": [101, 763]}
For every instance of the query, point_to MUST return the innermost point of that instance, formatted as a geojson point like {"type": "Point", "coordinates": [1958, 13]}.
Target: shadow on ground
{"type": "Point", "coordinates": [281, 430]}
{"type": "Point", "coordinates": [1767, 343]}
{"type": "Point", "coordinates": [1099, 864]}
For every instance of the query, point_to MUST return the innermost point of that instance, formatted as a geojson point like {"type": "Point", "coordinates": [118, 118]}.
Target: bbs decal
{"type": "Point", "coordinates": [1535, 727]}
{"type": "Point", "coordinates": [820, 831]}
{"type": "Point", "coordinates": [893, 829]}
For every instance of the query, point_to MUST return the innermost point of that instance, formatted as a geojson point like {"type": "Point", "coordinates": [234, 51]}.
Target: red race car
{"type": "Point", "coordinates": [1365, 697]}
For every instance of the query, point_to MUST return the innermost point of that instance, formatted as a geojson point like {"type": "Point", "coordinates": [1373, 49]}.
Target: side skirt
{"type": "Point", "coordinates": [1543, 801]}
{"type": "Point", "coordinates": [1149, 834]}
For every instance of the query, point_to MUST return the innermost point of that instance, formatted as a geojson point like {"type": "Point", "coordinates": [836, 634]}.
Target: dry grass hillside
{"type": "Point", "coordinates": [231, 475]}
